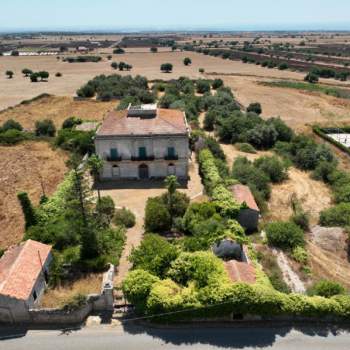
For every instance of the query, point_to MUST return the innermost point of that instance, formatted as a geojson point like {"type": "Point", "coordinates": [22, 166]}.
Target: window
{"type": "Point", "coordinates": [114, 154]}
{"type": "Point", "coordinates": [142, 153]}
{"type": "Point", "coordinates": [46, 276]}
{"type": "Point", "coordinates": [35, 296]}
{"type": "Point", "coordinates": [171, 152]}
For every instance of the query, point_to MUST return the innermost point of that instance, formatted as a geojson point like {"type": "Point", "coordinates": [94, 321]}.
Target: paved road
{"type": "Point", "coordinates": [132, 337]}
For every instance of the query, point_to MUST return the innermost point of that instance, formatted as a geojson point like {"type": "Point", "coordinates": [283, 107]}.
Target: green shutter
{"type": "Point", "coordinates": [171, 152]}
{"type": "Point", "coordinates": [142, 152]}
{"type": "Point", "coordinates": [114, 154]}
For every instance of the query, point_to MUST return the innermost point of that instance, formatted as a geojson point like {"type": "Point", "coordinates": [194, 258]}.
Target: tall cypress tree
{"type": "Point", "coordinates": [28, 210]}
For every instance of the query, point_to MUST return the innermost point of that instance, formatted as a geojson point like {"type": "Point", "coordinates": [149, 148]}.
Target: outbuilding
{"type": "Point", "coordinates": [249, 215]}
{"type": "Point", "coordinates": [24, 271]}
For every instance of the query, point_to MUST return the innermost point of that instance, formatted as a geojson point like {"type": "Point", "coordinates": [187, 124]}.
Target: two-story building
{"type": "Point", "coordinates": [143, 142]}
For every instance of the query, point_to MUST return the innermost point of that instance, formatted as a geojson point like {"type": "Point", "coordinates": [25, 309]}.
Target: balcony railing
{"type": "Point", "coordinates": [171, 157]}
{"type": "Point", "coordinates": [142, 158]}
{"type": "Point", "coordinates": [114, 159]}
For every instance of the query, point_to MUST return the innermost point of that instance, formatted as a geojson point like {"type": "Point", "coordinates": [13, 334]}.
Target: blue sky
{"type": "Point", "coordinates": [174, 14]}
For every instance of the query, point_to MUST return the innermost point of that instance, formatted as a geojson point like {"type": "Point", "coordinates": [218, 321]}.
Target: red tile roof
{"type": "Point", "coordinates": [243, 194]}
{"type": "Point", "coordinates": [20, 267]}
{"type": "Point", "coordinates": [166, 122]}
{"type": "Point", "coordinates": [240, 271]}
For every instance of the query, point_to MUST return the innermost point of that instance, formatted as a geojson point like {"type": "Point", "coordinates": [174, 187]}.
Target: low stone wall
{"type": "Point", "coordinates": [94, 302]}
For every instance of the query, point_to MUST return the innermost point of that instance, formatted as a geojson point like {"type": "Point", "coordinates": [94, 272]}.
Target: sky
{"type": "Point", "coordinates": [133, 15]}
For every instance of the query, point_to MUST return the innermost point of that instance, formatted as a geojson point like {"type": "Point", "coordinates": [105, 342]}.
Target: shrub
{"type": "Point", "coordinates": [11, 124]}
{"type": "Point", "coordinates": [105, 210]}
{"type": "Point", "coordinates": [283, 66]}
{"type": "Point", "coordinates": [311, 78]}
{"type": "Point", "coordinates": [284, 235]}
{"type": "Point", "coordinates": [157, 216]}
{"type": "Point", "coordinates": [339, 215]}
{"type": "Point", "coordinates": [255, 107]}
{"type": "Point", "coordinates": [187, 61]}
{"type": "Point", "coordinates": [273, 167]}
{"type": "Point", "coordinates": [118, 51]}
{"type": "Point", "coordinates": [155, 254]}
{"type": "Point", "coordinates": [70, 122]}
{"type": "Point", "coordinates": [12, 136]}
{"type": "Point", "coordinates": [26, 72]}
{"type": "Point", "coordinates": [326, 289]}
{"type": "Point", "coordinates": [58, 74]}
{"type": "Point", "coordinates": [124, 217]}
{"type": "Point", "coordinates": [9, 74]}
{"type": "Point", "coordinates": [45, 127]}
{"type": "Point", "coordinates": [245, 147]}
{"type": "Point", "coordinates": [300, 255]}
{"type": "Point", "coordinates": [201, 70]}
{"type": "Point", "coordinates": [34, 77]}
{"type": "Point", "coordinates": [74, 303]}
{"type": "Point", "coordinates": [301, 219]}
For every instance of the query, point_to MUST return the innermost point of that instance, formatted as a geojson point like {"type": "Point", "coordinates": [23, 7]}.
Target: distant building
{"type": "Point", "coordinates": [143, 142]}
{"type": "Point", "coordinates": [24, 272]}
{"type": "Point", "coordinates": [249, 216]}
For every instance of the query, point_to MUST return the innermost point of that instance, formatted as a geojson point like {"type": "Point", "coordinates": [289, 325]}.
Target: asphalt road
{"type": "Point", "coordinates": [132, 337]}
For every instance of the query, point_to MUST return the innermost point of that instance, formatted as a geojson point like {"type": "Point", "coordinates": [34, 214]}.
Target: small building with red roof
{"type": "Point", "coordinates": [24, 272]}
{"type": "Point", "coordinates": [249, 215]}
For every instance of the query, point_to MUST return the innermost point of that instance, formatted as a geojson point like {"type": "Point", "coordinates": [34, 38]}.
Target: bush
{"type": "Point", "coordinates": [12, 136]}
{"type": "Point", "coordinates": [300, 255]}
{"type": "Point", "coordinates": [124, 217]}
{"type": "Point", "coordinates": [70, 122]}
{"type": "Point", "coordinates": [45, 127]}
{"type": "Point", "coordinates": [284, 235]}
{"type": "Point", "coordinates": [105, 210]}
{"type": "Point", "coordinates": [11, 124]}
{"type": "Point", "coordinates": [255, 108]}
{"type": "Point", "coordinates": [201, 70]}
{"type": "Point", "coordinates": [76, 141]}
{"type": "Point", "coordinates": [311, 78]}
{"type": "Point", "coordinates": [273, 167]}
{"type": "Point", "coordinates": [74, 303]}
{"type": "Point", "coordinates": [339, 215]}
{"type": "Point", "coordinates": [157, 216]}
{"type": "Point", "coordinates": [202, 86]}
{"type": "Point", "coordinates": [187, 61]}
{"type": "Point", "coordinates": [217, 83]}
{"type": "Point", "coordinates": [166, 67]}
{"type": "Point", "coordinates": [155, 255]}
{"type": "Point", "coordinates": [326, 289]}
{"type": "Point", "coordinates": [58, 74]}
{"type": "Point", "coordinates": [301, 219]}
{"type": "Point", "coordinates": [245, 147]}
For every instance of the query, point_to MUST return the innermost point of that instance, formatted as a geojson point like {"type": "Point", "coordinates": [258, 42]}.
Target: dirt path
{"type": "Point", "coordinates": [289, 276]}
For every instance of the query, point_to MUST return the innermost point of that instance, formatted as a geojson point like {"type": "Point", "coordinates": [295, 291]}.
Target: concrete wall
{"type": "Point", "coordinates": [156, 146]}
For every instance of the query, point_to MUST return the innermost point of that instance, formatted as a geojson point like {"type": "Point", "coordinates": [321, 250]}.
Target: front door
{"type": "Point", "coordinates": [171, 169]}
{"type": "Point", "coordinates": [143, 171]}
{"type": "Point", "coordinates": [115, 171]}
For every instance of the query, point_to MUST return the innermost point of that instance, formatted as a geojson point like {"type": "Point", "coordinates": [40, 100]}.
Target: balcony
{"type": "Point", "coordinates": [171, 157]}
{"type": "Point", "coordinates": [114, 159]}
{"type": "Point", "coordinates": [141, 159]}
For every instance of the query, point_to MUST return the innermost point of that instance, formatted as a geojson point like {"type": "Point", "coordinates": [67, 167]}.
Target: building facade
{"type": "Point", "coordinates": [143, 142]}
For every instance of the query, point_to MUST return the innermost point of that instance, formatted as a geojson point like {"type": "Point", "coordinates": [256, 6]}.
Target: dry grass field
{"type": "Point", "coordinates": [21, 169]}
{"type": "Point", "coordinates": [58, 109]}
{"type": "Point", "coordinates": [296, 107]}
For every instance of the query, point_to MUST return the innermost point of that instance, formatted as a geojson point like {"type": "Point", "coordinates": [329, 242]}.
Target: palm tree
{"type": "Point", "coordinates": [95, 164]}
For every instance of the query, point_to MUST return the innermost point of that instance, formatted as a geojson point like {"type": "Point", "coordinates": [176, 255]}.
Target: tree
{"type": "Point", "coordinates": [14, 53]}
{"type": "Point", "coordinates": [45, 127]}
{"type": "Point", "coordinates": [78, 204]}
{"type": "Point", "coordinates": [10, 125]}
{"type": "Point", "coordinates": [118, 51]}
{"type": "Point", "coordinates": [27, 72]}
{"type": "Point", "coordinates": [201, 70]}
{"type": "Point", "coordinates": [311, 78]}
{"type": "Point", "coordinates": [122, 66]}
{"type": "Point", "coordinates": [28, 210]}
{"type": "Point", "coordinates": [95, 164]}
{"type": "Point", "coordinates": [157, 216]}
{"type": "Point", "coordinates": [255, 108]}
{"type": "Point", "coordinates": [284, 235]}
{"type": "Point", "coordinates": [105, 209]}
{"type": "Point", "coordinates": [153, 49]}
{"type": "Point", "coordinates": [114, 65]}
{"type": "Point", "coordinates": [171, 184]}
{"type": "Point", "coordinates": [70, 122]}
{"type": "Point", "coordinates": [109, 57]}
{"type": "Point", "coordinates": [44, 75]}
{"type": "Point", "coordinates": [217, 83]}
{"type": "Point", "coordinates": [9, 74]}
{"type": "Point", "coordinates": [166, 67]}
{"type": "Point", "coordinates": [34, 77]}
{"type": "Point", "coordinates": [187, 61]}
{"type": "Point", "coordinates": [124, 217]}
{"type": "Point", "coordinates": [325, 288]}
{"type": "Point", "coordinates": [202, 86]}
{"type": "Point", "coordinates": [128, 66]}
{"type": "Point", "coordinates": [273, 167]}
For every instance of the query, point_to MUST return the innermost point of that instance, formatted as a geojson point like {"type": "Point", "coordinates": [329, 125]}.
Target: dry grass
{"type": "Point", "coordinates": [57, 297]}
{"type": "Point", "coordinates": [57, 109]}
{"type": "Point", "coordinates": [297, 108]}
{"type": "Point", "coordinates": [21, 167]}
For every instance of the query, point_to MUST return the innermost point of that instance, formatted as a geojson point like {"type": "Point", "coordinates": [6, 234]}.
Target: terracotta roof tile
{"type": "Point", "coordinates": [166, 122]}
{"type": "Point", "coordinates": [243, 194]}
{"type": "Point", "coordinates": [240, 271]}
{"type": "Point", "coordinates": [20, 267]}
